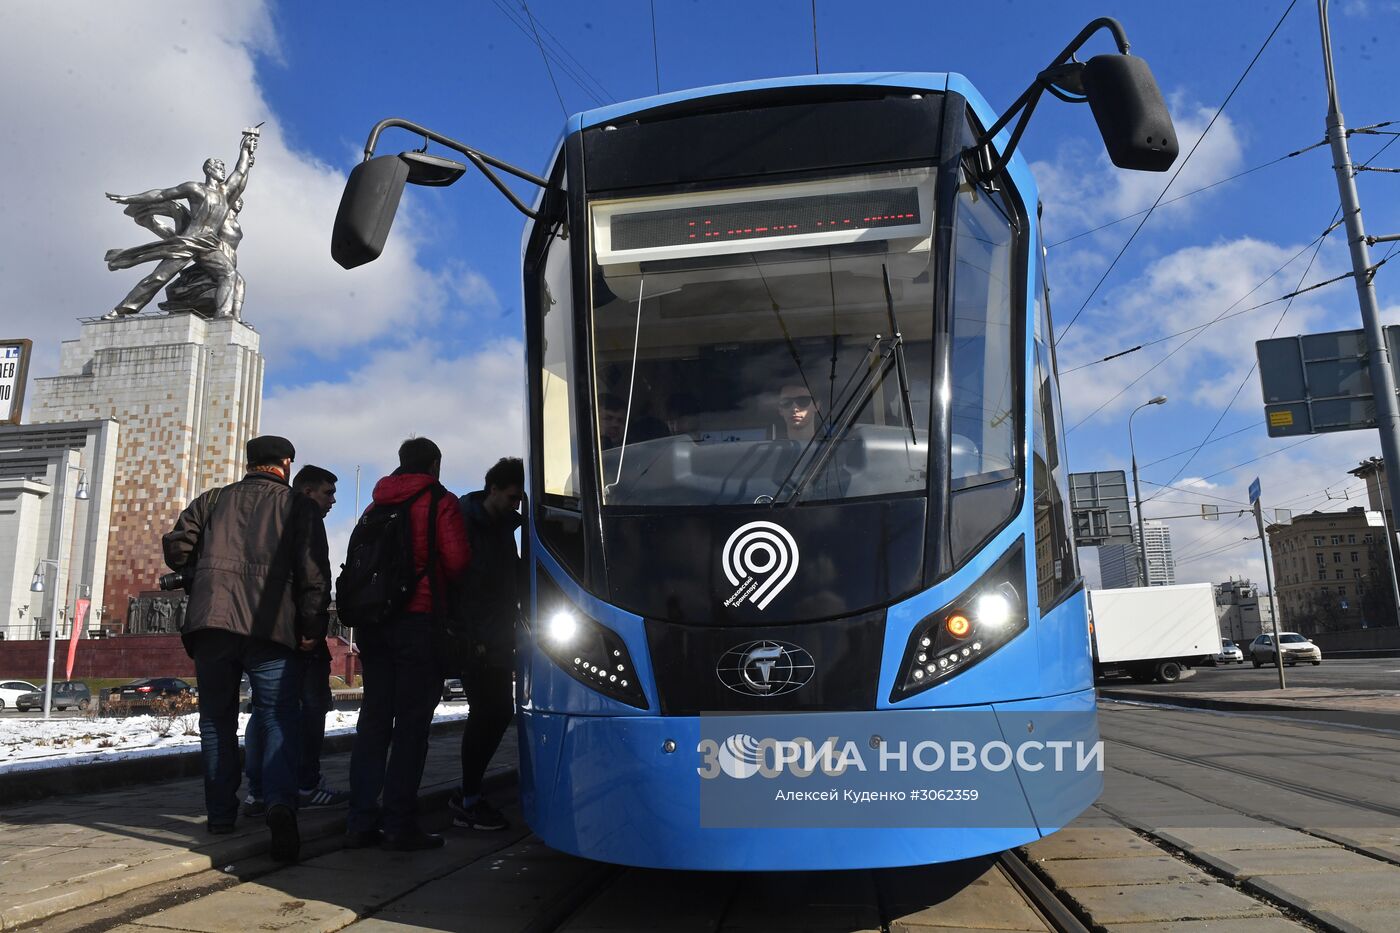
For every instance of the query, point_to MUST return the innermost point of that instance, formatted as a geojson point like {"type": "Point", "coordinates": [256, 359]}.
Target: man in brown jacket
{"type": "Point", "coordinates": [260, 592]}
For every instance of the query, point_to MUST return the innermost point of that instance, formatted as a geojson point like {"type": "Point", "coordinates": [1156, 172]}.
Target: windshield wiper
{"type": "Point", "coordinates": [899, 357]}
{"type": "Point", "coordinates": [853, 403]}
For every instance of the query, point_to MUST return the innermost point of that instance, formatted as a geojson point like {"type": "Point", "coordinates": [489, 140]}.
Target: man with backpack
{"type": "Point", "coordinates": [405, 551]}
{"type": "Point", "coordinates": [259, 593]}
{"type": "Point", "coordinates": [487, 607]}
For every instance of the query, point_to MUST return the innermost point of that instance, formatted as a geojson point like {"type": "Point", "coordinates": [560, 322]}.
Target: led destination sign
{"type": "Point", "coordinates": [776, 217]}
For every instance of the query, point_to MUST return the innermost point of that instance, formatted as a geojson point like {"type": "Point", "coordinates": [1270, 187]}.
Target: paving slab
{"type": "Point", "coordinates": [1247, 863]}
{"type": "Point", "coordinates": [1233, 839]}
{"type": "Point", "coordinates": [1091, 842]}
{"type": "Point", "coordinates": [643, 900]}
{"type": "Point", "coordinates": [987, 901]}
{"type": "Point", "coordinates": [1098, 872]}
{"type": "Point", "coordinates": [107, 844]}
{"type": "Point", "coordinates": [252, 907]}
{"type": "Point", "coordinates": [1165, 902]}
{"type": "Point", "coordinates": [1278, 924]}
{"type": "Point", "coordinates": [1312, 893]}
{"type": "Point", "coordinates": [1358, 918]}
{"type": "Point", "coordinates": [817, 901]}
{"type": "Point", "coordinates": [520, 886]}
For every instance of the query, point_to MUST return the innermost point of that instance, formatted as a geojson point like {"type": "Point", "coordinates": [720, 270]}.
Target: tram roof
{"type": "Point", "coordinates": [926, 80]}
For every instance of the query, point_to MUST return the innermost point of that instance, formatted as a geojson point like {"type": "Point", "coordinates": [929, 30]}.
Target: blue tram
{"type": "Point", "coordinates": [795, 445]}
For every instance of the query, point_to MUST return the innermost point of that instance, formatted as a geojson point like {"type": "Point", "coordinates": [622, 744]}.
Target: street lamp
{"type": "Point", "coordinates": [36, 585]}
{"type": "Point", "coordinates": [1137, 492]}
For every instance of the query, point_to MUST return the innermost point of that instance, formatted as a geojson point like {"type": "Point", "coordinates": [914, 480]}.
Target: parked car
{"type": "Point", "coordinates": [66, 694]}
{"type": "Point", "coordinates": [1295, 648]}
{"type": "Point", "coordinates": [145, 691]}
{"type": "Point", "coordinates": [452, 689]}
{"type": "Point", "coordinates": [1230, 653]}
{"type": "Point", "coordinates": [12, 690]}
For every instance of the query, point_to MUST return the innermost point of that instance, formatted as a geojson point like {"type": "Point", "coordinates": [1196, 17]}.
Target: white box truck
{"type": "Point", "coordinates": [1153, 632]}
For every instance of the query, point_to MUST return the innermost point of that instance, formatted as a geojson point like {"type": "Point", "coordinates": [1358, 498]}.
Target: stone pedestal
{"type": "Point", "coordinates": [188, 394]}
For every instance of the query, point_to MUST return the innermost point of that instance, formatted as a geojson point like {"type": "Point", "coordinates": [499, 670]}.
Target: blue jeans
{"type": "Point", "coordinates": [402, 684]}
{"type": "Point", "coordinates": [220, 660]}
{"type": "Point", "coordinates": [315, 703]}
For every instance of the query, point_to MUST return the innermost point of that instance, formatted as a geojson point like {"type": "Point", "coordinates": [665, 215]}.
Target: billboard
{"type": "Point", "coordinates": [1318, 383]}
{"type": "Point", "coordinates": [14, 373]}
{"type": "Point", "coordinates": [1099, 502]}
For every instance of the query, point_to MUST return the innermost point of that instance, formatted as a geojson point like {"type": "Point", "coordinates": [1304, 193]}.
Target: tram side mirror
{"type": "Point", "coordinates": [1130, 112]}
{"type": "Point", "coordinates": [367, 209]}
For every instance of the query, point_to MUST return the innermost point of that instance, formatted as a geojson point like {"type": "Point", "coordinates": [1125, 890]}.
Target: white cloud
{"type": "Point", "coordinates": [1183, 289]}
{"type": "Point", "coordinates": [1081, 188]}
{"type": "Point", "coordinates": [471, 406]}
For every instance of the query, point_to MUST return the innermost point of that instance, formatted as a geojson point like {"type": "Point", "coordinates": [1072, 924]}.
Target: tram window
{"type": "Point", "coordinates": [984, 401]}
{"type": "Point", "coordinates": [559, 440]}
{"type": "Point", "coordinates": [1055, 557]}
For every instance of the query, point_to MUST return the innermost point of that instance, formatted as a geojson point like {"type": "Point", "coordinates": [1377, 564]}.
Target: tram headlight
{"type": "Point", "coordinates": [586, 649]}
{"type": "Point", "coordinates": [960, 634]}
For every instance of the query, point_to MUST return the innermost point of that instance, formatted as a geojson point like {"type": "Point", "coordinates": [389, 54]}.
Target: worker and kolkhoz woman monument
{"type": "Point", "coordinates": [196, 256]}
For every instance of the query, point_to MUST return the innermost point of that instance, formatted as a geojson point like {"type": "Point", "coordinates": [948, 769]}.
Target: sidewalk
{"type": "Point", "coordinates": [1372, 707]}
{"type": "Point", "coordinates": [64, 853]}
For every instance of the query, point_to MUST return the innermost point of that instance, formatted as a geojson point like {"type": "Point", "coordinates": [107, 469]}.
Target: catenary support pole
{"type": "Point", "coordinates": [1382, 376]}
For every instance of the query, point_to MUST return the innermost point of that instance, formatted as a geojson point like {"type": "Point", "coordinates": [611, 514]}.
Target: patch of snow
{"type": "Point", "coordinates": [35, 744]}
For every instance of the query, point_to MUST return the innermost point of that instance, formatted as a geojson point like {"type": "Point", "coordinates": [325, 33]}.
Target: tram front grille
{"type": "Point", "coordinates": [833, 665]}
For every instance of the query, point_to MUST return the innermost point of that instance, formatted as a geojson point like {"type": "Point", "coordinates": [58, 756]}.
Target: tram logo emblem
{"type": "Point", "coordinates": [760, 559]}
{"type": "Point", "coordinates": [765, 668]}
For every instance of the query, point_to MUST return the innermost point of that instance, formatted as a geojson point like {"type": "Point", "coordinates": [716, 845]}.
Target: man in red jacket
{"type": "Point", "coordinates": [402, 680]}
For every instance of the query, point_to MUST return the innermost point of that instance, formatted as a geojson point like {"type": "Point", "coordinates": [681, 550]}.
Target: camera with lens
{"type": "Point", "coordinates": [177, 580]}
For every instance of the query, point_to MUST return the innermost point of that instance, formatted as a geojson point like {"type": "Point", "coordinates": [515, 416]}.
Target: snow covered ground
{"type": "Point", "coordinates": [33, 744]}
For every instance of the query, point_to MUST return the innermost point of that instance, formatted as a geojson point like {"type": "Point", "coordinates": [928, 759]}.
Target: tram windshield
{"type": "Point", "coordinates": [744, 345]}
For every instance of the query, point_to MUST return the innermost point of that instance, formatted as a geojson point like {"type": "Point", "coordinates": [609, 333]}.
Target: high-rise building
{"type": "Point", "coordinates": [1118, 563]}
{"type": "Point", "coordinates": [1161, 565]}
{"type": "Point", "coordinates": [187, 392]}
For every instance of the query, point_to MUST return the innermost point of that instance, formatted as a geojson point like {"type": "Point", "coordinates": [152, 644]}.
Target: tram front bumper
{"type": "Point", "coordinates": [649, 791]}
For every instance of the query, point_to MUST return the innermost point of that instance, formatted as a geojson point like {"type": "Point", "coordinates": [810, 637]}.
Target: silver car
{"type": "Point", "coordinates": [1230, 653]}
{"type": "Point", "coordinates": [1295, 648]}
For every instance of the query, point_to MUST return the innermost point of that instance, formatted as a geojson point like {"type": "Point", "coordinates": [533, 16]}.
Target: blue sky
{"type": "Point", "coordinates": [427, 340]}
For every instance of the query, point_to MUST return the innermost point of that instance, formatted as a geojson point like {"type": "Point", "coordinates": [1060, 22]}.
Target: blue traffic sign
{"type": "Point", "coordinates": [1254, 491]}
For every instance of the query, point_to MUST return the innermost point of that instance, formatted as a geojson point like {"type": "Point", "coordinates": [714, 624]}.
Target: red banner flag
{"type": "Point", "coordinates": [80, 609]}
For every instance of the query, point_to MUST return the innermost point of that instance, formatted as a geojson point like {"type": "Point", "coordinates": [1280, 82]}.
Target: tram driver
{"type": "Point", "coordinates": [798, 412]}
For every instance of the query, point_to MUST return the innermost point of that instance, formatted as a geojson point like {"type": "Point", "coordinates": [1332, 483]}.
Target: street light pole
{"type": "Point", "coordinates": [37, 584]}
{"type": "Point", "coordinates": [1382, 376]}
{"type": "Point", "coordinates": [1137, 490]}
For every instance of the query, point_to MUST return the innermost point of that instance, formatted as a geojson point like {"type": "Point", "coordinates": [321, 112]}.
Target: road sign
{"type": "Point", "coordinates": [1283, 516]}
{"type": "Point", "coordinates": [1099, 502]}
{"type": "Point", "coordinates": [1254, 491]}
{"type": "Point", "coordinates": [1316, 383]}
{"type": "Point", "coordinates": [1375, 519]}
{"type": "Point", "coordinates": [14, 373]}
{"type": "Point", "coordinates": [1210, 513]}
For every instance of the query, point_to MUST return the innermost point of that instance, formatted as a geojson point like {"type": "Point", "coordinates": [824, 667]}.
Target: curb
{"type": "Point", "coordinates": [37, 783]}
{"type": "Point", "coordinates": [1194, 702]}
{"type": "Point", "coordinates": [1377, 719]}
{"type": "Point", "coordinates": [314, 826]}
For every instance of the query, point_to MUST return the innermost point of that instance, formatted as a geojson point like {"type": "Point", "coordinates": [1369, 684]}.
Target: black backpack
{"type": "Point", "coordinates": [379, 576]}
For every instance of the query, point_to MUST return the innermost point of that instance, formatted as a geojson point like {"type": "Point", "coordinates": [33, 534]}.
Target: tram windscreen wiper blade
{"type": "Point", "coordinates": [852, 405]}
{"type": "Point", "coordinates": [899, 357]}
